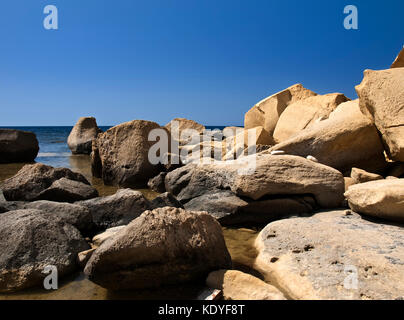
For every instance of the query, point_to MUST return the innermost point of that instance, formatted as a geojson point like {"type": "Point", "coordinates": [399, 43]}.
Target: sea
{"type": "Point", "coordinates": [53, 149]}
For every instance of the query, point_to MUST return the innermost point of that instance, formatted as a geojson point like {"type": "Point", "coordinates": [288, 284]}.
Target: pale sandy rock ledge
{"type": "Point", "coordinates": [320, 258]}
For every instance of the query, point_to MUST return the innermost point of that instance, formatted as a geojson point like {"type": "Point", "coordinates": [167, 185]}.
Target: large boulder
{"type": "Point", "coordinates": [31, 240]}
{"type": "Point", "coordinates": [81, 137]}
{"type": "Point", "coordinates": [117, 209]}
{"type": "Point", "coordinates": [32, 180]}
{"type": "Point", "coordinates": [347, 139]}
{"type": "Point", "coordinates": [361, 176]}
{"type": "Point", "coordinates": [230, 210]}
{"type": "Point", "coordinates": [304, 113]}
{"type": "Point", "coordinates": [381, 198]}
{"type": "Point", "coordinates": [266, 113]}
{"type": "Point", "coordinates": [73, 214]}
{"type": "Point", "coordinates": [17, 146]}
{"type": "Point", "coordinates": [121, 154]}
{"type": "Point", "coordinates": [381, 95]}
{"type": "Point", "coordinates": [333, 255]}
{"type": "Point", "coordinates": [257, 176]}
{"type": "Point", "coordinates": [161, 247]}
{"type": "Point", "coordinates": [399, 61]}
{"type": "Point", "coordinates": [66, 190]}
{"type": "Point", "coordinates": [184, 130]}
{"type": "Point", "coordinates": [237, 285]}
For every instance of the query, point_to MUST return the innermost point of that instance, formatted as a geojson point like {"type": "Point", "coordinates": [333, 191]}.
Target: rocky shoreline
{"type": "Point", "coordinates": [322, 174]}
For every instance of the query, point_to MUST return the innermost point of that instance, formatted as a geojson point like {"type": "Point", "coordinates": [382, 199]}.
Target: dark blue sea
{"type": "Point", "coordinates": [53, 149]}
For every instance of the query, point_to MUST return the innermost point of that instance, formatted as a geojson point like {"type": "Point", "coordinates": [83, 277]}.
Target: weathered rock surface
{"type": "Point", "coordinates": [81, 137]}
{"type": "Point", "coordinates": [361, 176]}
{"type": "Point", "coordinates": [117, 209]}
{"type": "Point", "coordinates": [120, 155]}
{"type": "Point", "coordinates": [183, 130]}
{"type": "Point", "coordinates": [100, 238]}
{"type": "Point", "coordinates": [165, 200]}
{"type": "Point", "coordinates": [33, 179]}
{"type": "Point", "coordinates": [266, 113]}
{"type": "Point", "coordinates": [163, 246]}
{"type": "Point", "coordinates": [17, 146]}
{"type": "Point", "coordinates": [399, 61]}
{"type": "Point", "coordinates": [322, 255]}
{"type": "Point", "coordinates": [237, 285]}
{"type": "Point", "coordinates": [305, 113]}
{"type": "Point", "coordinates": [78, 216]}
{"type": "Point", "coordinates": [30, 240]}
{"type": "Point", "coordinates": [348, 139]}
{"type": "Point", "coordinates": [257, 176]}
{"type": "Point", "coordinates": [229, 209]}
{"type": "Point", "coordinates": [157, 183]}
{"type": "Point", "coordinates": [382, 198]}
{"type": "Point", "coordinates": [66, 190]}
{"type": "Point", "coordinates": [381, 96]}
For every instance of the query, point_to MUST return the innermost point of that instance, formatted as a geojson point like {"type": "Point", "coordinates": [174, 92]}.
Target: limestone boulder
{"type": "Point", "coordinates": [381, 95]}
{"type": "Point", "coordinates": [381, 198]}
{"type": "Point", "coordinates": [161, 247]}
{"type": "Point", "coordinates": [267, 112]}
{"type": "Point", "coordinates": [184, 130]}
{"type": "Point", "coordinates": [347, 139]}
{"type": "Point", "coordinates": [121, 154]}
{"type": "Point", "coordinates": [333, 255]}
{"type": "Point", "coordinates": [237, 285]}
{"type": "Point", "coordinates": [31, 240]}
{"type": "Point", "coordinates": [17, 146]}
{"type": "Point", "coordinates": [81, 137]}
{"type": "Point", "coordinates": [257, 176]}
{"type": "Point", "coordinates": [32, 180]}
{"type": "Point", "coordinates": [361, 176]}
{"type": "Point", "coordinates": [305, 113]}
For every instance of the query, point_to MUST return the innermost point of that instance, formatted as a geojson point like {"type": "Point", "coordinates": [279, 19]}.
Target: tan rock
{"type": "Point", "coordinates": [81, 137]}
{"type": "Point", "coordinates": [267, 112]}
{"type": "Point", "coordinates": [120, 155]}
{"type": "Point", "coordinates": [231, 131]}
{"type": "Point", "coordinates": [100, 238]}
{"type": "Point", "coordinates": [348, 182]}
{"type": "Point", "coordinates": [399, 62]}
{"type": "Point", "coordinates": [348, 139]}
{"type": "Point", "coordinates": [165, 246]}
{"type": "Point", "coordinates": [237, 285]}
{"type": "Point", "coordinates": [304, 113]}
{"type": "Point", "coordinates": [361, 176]}
{"type": "Point", "coordinates": [320, 257]}
{"type": "Point", "coordinates": [84, 256]}
{"type": "Point", "coordinates": [382, 198]}
{"type": "Point", "coordinates": [381, 95]}
{"type": "Point", "coordinates": [183, 130]}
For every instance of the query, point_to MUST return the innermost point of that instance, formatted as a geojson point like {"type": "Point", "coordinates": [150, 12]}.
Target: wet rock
{"type": "Point", "coordinates": [117, 209]}
{"type": "Point", "coordinates": [33, 179]}
{"type": "Point", "coordinates": [66, 190]}
{"type": "Point", "coordinates": [157, 183]}
{"type": "Point", "coordinates": [161, 247]}
{"type": "Point", "coordinates": [166, 200]}
{"type": "Point", "coordinates": [17, 146]}
{"type": "Point", "coordinates": [30, 240]}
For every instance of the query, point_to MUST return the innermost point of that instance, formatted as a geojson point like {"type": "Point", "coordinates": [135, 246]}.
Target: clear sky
{"type": "Point", "coordinates": [207, 60]}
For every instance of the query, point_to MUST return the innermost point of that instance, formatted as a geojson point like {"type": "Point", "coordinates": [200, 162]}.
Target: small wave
{"type": "Point", "coordinates": [51, 154]}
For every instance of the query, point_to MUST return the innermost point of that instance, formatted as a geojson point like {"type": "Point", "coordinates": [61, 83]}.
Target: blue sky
{"type": "Point", "coordinates": [201, 59]}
